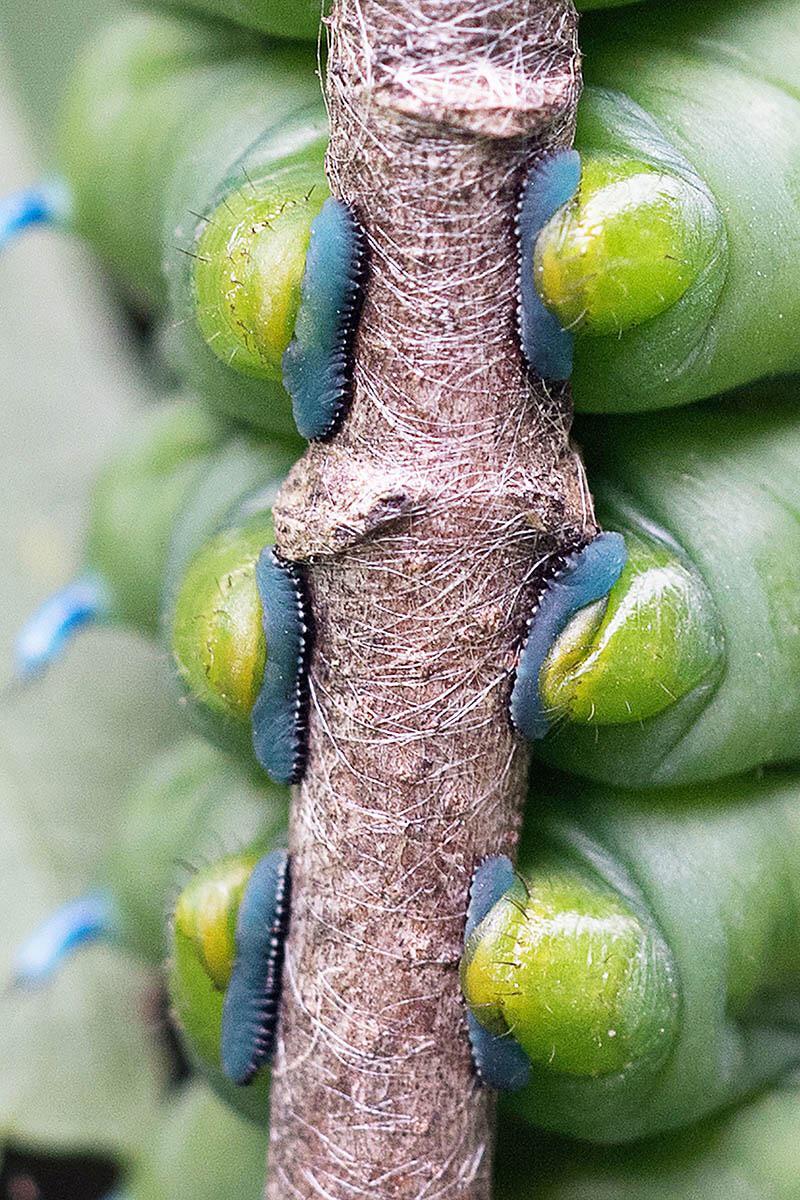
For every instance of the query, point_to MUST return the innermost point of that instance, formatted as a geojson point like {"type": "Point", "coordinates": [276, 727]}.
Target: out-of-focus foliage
{"type": "Point", "coordinates": [79, 1070]}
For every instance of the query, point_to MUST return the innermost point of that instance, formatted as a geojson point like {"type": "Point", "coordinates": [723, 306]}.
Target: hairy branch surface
{"type": "Point", "coordinates": [425, 523]}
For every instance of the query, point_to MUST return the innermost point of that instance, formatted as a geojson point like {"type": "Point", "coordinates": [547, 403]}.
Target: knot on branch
{"type": "Point", "coordinates": [331, 501]}
{"type": "Point", "coordinates": [479, 97]}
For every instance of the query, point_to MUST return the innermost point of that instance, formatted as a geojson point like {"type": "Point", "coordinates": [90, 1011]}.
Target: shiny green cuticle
{"type": "Point", "coordinates": [205, 916]}
{"type": "Point", "coordinates": [564, 966]}
{"type": "Point", "coordinates": [249, 265]}
{"type": "Point", "coordinates": [218, 642]}
{"type": "Point", "coordinates": [655, 638]}
{"type": "Point", "coordinates": [629, 245]}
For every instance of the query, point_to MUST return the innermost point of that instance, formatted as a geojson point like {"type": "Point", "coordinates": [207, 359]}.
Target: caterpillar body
{"type": "Point", "coordinates": [620, 963]}
{"type": "Point", "coordinates": [668, 302]}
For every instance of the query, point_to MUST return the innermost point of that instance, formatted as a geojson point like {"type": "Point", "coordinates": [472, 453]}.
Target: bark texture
{"type": "Point", "coordinates": [425, 524]}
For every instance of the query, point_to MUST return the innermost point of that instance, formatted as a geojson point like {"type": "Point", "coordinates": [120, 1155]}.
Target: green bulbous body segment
{"type": "Point", "coordinates": [648, 989]}
{"type": "Point", "coordinates": [250, 262]}
{"type": "Point", "coordinates": [218, 643]}
{"type": "Point", "coordinates": [206, 912]}
{"type": "Point", "coordinates": [727, 209]}
{"type": "Point", "coordinates": [197, 995]}
{"type": "Point", "coordinates": [628, 247]}
{"type": "Point", "coordinates": [227, 950]}
{"type": "Point", "coordinates": [713, 619]}
{"type": "Point", "coordinates": [170, 118]}
{"type": "Point", "coordinates": [564, 967]}
{"type": "Point", "coordinates": [654, 639]}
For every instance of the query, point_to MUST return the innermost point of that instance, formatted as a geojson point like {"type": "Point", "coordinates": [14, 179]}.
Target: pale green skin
{"type": "Point", "coordinates": [738, 321]}
{"type": "Point", "coordinates": [135, 501]}
{"type": "Point", "coordinates": [638, 234]}
{"type": "Point", "coordinates": [186, 804]}
{"type": "Point", "coordinates": [166, 116]}
{"type": "Point", "coordinates": [713, 878]}
{"type": "Point", "coordinates": [723, 480]}
{"type": "Point", "coordinates": [217, 634]}
{"type": "Point", "coordinates": [211, 614]}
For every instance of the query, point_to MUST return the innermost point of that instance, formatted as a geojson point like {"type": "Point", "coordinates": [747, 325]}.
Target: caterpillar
{"type": "Point", "coordinates": [646, 989]}
{"type": "Point", "coordinates": [250, 1009]}
{"type": "Point", "coordinates": [581, 579]}
{"type": "Point", "coordinates": [208, 223]}
{"type": "Point", "coordinates": [186, 803]}
{"type": "Point", "coordinates": [222, 932]}
{"type": "Point", "coordinates": [673, 264]}
{"type": "Point", "coordinates": [686, 671]}
{"type": "Point", "coordinates": [669, 265]}
{"type": "Point", "coordinates": [178, 524]}
{"type": "Point", "coordinates": [550, 185]}
{"type": "Point", "coordinates": [499, 1060]}
{"type": "Point", "coordinates": [316, 363]}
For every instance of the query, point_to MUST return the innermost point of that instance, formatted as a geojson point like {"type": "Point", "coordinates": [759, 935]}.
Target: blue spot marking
{"type": "Point", "coordinates": [587, 575]}
{"type": "Point", "coordinates": [43, 204]}
{"type": "Point", "coordinates": [317, 362]}
{"type": "Point", "coordinates": [279, 716]}
{"type": "Point", "coordinates": [551, 184]}
{"type": "Point", "coordinates": [250, 1008]}
{"type": "Point", "coordinates": [90, 918]}
{"type": "Point", "coordinates": [45, 634]}
{"type": "Point", "coordinates": [499, 1061]}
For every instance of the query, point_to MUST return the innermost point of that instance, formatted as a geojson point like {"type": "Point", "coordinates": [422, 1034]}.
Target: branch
{"type": "Point", "coordinates": [426, 523]}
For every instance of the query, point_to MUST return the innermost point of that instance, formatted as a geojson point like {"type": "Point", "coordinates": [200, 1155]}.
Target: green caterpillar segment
{"type": "Point", "coordinates": [499, 1060]}
{"type": "Point", "coordinates": [206, 912]}
{"type": "Point", "coordinates": [708, 252]}
{"type": "Point", "coordinates": [628, 247]}
{"type": "Point", "coordinates": [650, 963]}
{"type": "Point", "coordinates": [720, 631]}
{"type": "Point", "coordinates": [235, 291]}
{"type": "Point", "coordinates": [562, 966]}
{"type": "Point", "coordinates": [173, 128]}
{"type": "Point", "coordinates": [213, 611]}
{"type": "Point", "coordinates": [249, 266]}
{"type": "Point", "coordinates": [218, 643]}
{"type": "Point", "coordinates": [203, 951]}
{"type": "Point", "coordinates": [654, 639]}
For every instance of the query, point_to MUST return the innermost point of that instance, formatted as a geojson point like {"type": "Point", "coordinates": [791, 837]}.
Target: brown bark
{"type": "Point", "coordinates": [425, 523]}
